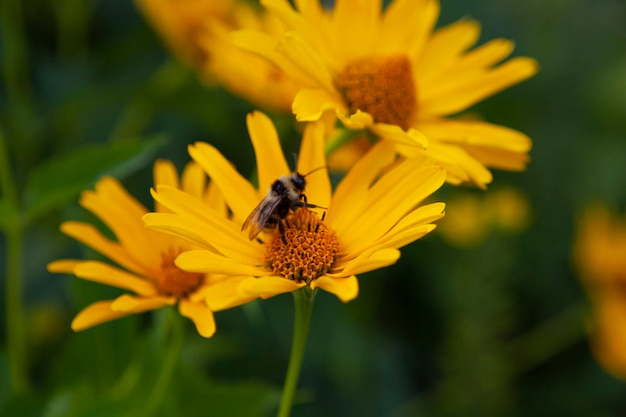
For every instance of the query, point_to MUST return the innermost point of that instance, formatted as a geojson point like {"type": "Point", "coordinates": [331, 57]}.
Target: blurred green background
{"type": "Point", "coordinates": [495, 329]}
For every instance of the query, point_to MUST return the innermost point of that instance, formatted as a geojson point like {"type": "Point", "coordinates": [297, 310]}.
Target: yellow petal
{"type": "Point", "coordinates": [270, 160]}
{"type": "Point", "coordinates": [350, 194]}
{"type": "Point", "coordinates": [422, 215]}
{"type": "Point", "coordinates": [412, 227]}
{"type": "Point", "coordinates": [400, 238]}
{"type": "Point", "coordinates": [202, 225]}
{"type": "Point", "coordinates": [368, 262]}
{"type": "Point", "coordinates": [406, 25]}
{"type": "Point", "coordinates": [226, 294]}
{"type": "Point", "coordinates": [446, 45]}
{"type": "Point", "coordinates": [183, 227]}
{"type": "Point", "coordinates": [458, 94]}
{"type": "Point", "coordinates": [265, 45]}
{"type": "Point", "coordinates": [315, 27]}
{"type": "Point", "coordinates": [210, 262]}
{"type": "Point", "coordinates": [239, 194]}
{"type": "Point", "coordinates": [164, 172]}
{"type": "Point", "coordinates": [131, 304]}
{"type": "Point", "coordinates": [294, 20]}
{"type": "Point", "coordinates": [499, 158]}
{"type": "Point", "coordinates": [346, 289]}
{"type": "Point", "coordinates": [90, 236]}
{"type": "Point", "coordinates": [472, 170]}
{"type": "Point", "coordinates": [194, 180]}
{"type": "Point", "coordinates": [196, 221]}
{"type": "Point", "coordinates": [394, 133]}
{"type": "Point", "coordinates": [483, 56]}
{"type": "Point", "coordinates": [306, 59]}
{"type": "Point", "coordinates": [242, 71]}
{"type": "Point", "coordinates": [213, 198]}
{"type": "Point", "coordinates": [313, 157]}
{"type": "Point", "coordinates": [356, 121]}
{"type": "Point", "coordinates": [95, 314]}
{"type": "Point", "coordinates": [608, 334]}
{"type": "Point", "coordinates": [356, 25]}
{"type": "Point", "coordinates": [266, 287]}
{"type": "Point", "coordinates": [459, 165]}
{"type": "Point", "coordinates": [476, 133]}
{"type": "Point", "coordinates": [63, 266]}
{"type": "Point", "coordinates": [122, 215]}
{"type": "Point", "coordinates": [310, 103]}
{"type": "Point", "coordinates": [201, 316]}
{"type": "Point", "coordinates": [109, 275]}
{"type": "Point", "coordinates": [392, 197]}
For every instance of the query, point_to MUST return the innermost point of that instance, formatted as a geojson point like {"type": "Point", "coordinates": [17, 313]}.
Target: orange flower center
{"type": "Point", "coordinates": [172, 281]}
{"type": "Point", "coordinates": [302, 248]}
{"type": "Point", "coordinates": [380, 86]}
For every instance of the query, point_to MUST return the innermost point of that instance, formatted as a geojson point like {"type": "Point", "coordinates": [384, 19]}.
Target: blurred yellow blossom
{"type": "Point", "coordinates": [471, 217]}
{"type": "Point", "coordinates": [600, 255]}
{"type": "Point", "coordinates": [198, 32]}
{"type": "Point", "coordinates": [392, 73]}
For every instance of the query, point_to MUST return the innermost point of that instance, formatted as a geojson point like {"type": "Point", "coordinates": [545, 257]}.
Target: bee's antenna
{"type": "Point", "coordinates": [295, 160]}
{"type": "Point", "coordinates": [314, 170]}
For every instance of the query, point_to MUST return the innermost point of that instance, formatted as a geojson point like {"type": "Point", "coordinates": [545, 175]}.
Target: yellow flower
{"type": "Point", "coordinates": [472, 216]}
{"type": "Point", "coordinates": [198, 31]}
{"type": "Point", "coordinates": [600, 254]}
{"type": "Point", "coordinates": [373, 212]}
{"type": "Point", "coordinates": [181, 23]}
{"type": "Point", "coordinates": [144, 257]}
{"type": "Point", "coordinates": [389, 72]}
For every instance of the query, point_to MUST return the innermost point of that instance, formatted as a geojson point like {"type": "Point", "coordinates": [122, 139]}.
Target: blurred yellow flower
{"type": "Point", "coordinates": [198, 32]}
{"type": "Point", "coordinates": [145, 257]}
{"type": "Point", "coordinates": [373, 212]}
{"type": "Point", "coordinates": [470, 216]}
{"type": "Point", "coordinates": [600, 254]}
{"type": "Point", "coordinates": [389, 72]}
{"type": "Point", "coordinates": [182, 22]}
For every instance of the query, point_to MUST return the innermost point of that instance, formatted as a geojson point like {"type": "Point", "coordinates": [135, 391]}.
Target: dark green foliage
{"type": "Point", "coordinates": [497, 330]}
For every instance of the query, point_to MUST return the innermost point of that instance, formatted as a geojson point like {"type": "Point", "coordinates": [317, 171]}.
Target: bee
{"type": "Point", "coordinates": [285, 194]}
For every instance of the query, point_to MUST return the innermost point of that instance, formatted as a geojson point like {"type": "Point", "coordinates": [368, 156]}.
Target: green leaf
{"type": "Point", "coordinates": [8, 214]}
{"type": "Point", "coordinates": [200, 397]}
{"type": "Point", "coordinates": [60, 179]}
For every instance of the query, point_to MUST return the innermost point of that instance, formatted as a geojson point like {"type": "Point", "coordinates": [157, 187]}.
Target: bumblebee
{"type": "Point", "coordinates": [285, 194]}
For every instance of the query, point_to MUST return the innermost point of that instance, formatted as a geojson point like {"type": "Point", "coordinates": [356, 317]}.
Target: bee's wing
{"type": "Point", "coordinates": [257, 220]}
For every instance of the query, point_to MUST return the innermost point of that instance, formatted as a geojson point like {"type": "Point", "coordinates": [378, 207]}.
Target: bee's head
{"type": "Point", "coordinates": [298, 181]}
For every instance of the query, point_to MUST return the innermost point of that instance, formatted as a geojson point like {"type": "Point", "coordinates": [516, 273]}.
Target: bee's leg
{"type": "Point", "coordinates": [281, 231]}
{"type": "Point", "coordinates": [318, 225]}
{"type": "Point", "coordinates": [305, 203]}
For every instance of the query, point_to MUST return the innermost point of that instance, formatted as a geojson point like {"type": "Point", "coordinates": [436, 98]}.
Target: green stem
{"type": "Point", "coordinates": [342, 137]}
{"type": "Point", "coordinates": [303, 300]}
{"type": "Point", "coordinates": [16, 343]}
{"type": "Point", "coordinates": [548, 338]}
{"type": "Point", "coordinates": [18, 87]}
{"type": "Point", "coordinates": [175, 336]}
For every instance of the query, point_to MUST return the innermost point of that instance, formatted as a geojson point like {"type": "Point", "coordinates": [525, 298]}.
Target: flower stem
{"type": "Point", "coordinates": [303, 305]}
{"type": "Point", "coordinates": [549, 338]}
{"type": "Point", "coordinates": [14, 292]}
{"type": "Point", "coordinates": [174, 333]}
{"type": "Point", "coordinates": [342, 137]}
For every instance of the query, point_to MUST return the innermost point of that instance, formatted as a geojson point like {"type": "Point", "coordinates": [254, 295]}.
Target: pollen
{"type": "Point", "coordinates": [380, 86]}
{"type": "Point", "coordinates": [174, 282]}
{"type": "Point", "coordinates": [303, 247]}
